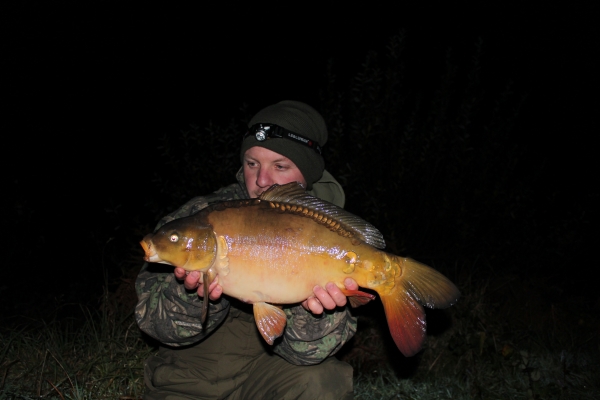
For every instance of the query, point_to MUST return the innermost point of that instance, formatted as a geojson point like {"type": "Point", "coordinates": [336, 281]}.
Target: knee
{"type": "Point", "coordinates": [332, 379]}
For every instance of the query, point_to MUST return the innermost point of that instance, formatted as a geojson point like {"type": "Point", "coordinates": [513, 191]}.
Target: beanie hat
{"type": "Point", "coordinates": [300, 119]}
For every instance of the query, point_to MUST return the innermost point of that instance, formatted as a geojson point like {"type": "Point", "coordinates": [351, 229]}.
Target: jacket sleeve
{"type": "Point", "coordinates": [165, 309]}
{"type": "Point", "coordinates": [309, 339]}
{"type": "Point", "coordinates": [171, 314]}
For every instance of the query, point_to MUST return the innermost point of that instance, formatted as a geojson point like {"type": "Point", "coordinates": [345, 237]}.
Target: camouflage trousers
{"type": "Point", "coordinates": [235, 363]}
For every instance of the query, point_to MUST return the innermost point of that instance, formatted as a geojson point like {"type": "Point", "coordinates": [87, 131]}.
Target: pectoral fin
{"type": "Point", "coordinates": [207, 278]}
{"type": "Point", "coordinates": [270, 321]}
{"type": "Point", "coordinates": [206, 283]}
{"type": "Point", "coordinates": [358, 298]}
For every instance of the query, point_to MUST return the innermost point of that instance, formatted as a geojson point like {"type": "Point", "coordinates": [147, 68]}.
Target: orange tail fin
{"type": "Point", "coordinates": [418, 285]}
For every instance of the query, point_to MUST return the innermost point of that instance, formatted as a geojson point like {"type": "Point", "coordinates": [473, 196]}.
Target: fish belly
{"type": "Point", "coordinates": [279, 258]}
{"type": "Point", "coordinates": [275, 282]}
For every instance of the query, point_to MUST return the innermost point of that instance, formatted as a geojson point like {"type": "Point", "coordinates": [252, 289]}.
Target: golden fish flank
{"type": "Point", "coordinates": [273, 250]}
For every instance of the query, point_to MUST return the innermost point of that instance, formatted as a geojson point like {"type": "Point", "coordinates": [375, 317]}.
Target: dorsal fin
{"type": "Point", "coordinates": [293, 197]}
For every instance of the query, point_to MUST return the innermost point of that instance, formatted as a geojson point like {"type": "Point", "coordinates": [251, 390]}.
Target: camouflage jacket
{"type": "Point", "coordinates": [170, 313]}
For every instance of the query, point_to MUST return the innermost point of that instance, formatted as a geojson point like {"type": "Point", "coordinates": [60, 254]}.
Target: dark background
{"type": "Point", "coordinates": [88, 88]}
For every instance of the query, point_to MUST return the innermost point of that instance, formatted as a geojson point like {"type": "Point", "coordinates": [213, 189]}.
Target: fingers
{"type": "Point", "coordinates": [328, 298]}
{"type": "Point", "coordinates": [214, 290]}
{"type": "Point", "coordinates": [335, 294]}
{"type": "Point", "coordinates": [313, 305]}
{"type": "Point", "coordinates": [179, 273]}
{"type": "Point", "coordinates": [350, 284]}
{"type": "Point", "coordinates": [192, 280]}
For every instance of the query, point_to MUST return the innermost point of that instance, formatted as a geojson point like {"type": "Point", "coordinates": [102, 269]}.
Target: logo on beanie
{"type": "Point", "coordinates": [300, 138]}
{"type": "Point", "coordinates": [263, 132]}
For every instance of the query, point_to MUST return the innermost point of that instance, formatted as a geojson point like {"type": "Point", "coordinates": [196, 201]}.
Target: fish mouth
{"type": "Point", "coordinates": [149, 250]}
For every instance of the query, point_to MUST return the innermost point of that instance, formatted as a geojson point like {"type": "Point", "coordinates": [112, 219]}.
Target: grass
{"type": "Point", "coordinates": [88, 356]}
{"type": "Point", "coordinates": [458, 178]}
{"type": "Point", "coordinates": [507, 338]}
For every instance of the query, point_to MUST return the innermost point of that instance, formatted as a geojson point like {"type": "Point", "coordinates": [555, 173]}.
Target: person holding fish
{"type": "Point", "coordinates": [211, 348]}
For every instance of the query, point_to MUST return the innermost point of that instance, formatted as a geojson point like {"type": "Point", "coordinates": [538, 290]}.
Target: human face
{"type": "Point", "coordinates": [264, 167]}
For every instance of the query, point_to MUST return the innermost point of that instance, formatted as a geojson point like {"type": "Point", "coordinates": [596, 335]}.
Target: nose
{"type": "Point", "coordinates": [264, 178]}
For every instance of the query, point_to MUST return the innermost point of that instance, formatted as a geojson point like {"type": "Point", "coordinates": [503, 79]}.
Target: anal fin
{"type": "Point", "coordinates": [270, 321]}
{"type": "Point", "coordinates": [358, 298]}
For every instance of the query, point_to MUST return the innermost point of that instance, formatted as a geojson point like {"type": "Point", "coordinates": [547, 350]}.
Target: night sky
{"type": "Point", "coordinates": [90, 87]}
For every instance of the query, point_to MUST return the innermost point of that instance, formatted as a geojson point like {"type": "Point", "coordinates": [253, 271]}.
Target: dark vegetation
{"type": "Point", "coordinates": [444, 167]}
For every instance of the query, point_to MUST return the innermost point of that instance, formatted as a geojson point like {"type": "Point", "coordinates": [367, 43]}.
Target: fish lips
{"type": "Point", "coordinates": [149, 250]}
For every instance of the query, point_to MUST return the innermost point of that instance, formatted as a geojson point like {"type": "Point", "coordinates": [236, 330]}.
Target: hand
{"type": "Point", "coordinates": [191, 281]}
{"type": "Point", "coordinates": [328, 298]}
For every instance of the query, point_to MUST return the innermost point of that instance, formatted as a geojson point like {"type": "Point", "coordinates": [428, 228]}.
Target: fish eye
{"type": "Point", "coordinates": [174, 238]}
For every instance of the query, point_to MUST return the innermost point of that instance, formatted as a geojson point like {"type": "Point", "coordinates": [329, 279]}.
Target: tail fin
{"type": "Point", "coordinates": [406, 320]}
{"type": "Point", "coordinates": [418, 285]}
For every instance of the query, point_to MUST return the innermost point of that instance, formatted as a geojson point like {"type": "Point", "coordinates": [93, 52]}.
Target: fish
{"type": "Point", "coordinates": [271, 251]}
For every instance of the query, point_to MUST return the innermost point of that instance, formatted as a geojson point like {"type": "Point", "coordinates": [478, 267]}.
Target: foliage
{"type": "Point", "coordinates": [86, 356]}
{"type": "Point", "coordinates": [505, 338]}
{"type": "Point", "coordinates": [439, 165]}
{"type": "Point", "coordinates": [434, 164]}
{"type": "Point", "coordinates": [195, 162]}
